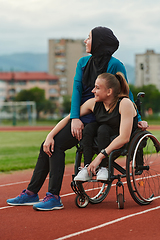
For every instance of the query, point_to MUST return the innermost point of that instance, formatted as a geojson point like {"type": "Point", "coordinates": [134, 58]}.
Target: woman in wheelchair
{"type": "Point", "coordinates": [116, 117]}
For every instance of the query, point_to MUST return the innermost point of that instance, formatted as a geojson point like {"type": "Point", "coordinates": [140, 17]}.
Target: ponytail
{"type": "Point", "coordinates": [124, 88]}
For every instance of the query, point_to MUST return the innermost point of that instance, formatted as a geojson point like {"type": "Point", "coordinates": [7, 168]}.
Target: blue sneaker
{"type": "Point", "coordinates": [24, 199]}
{"type": "Point", "coordinates": [49, 203]}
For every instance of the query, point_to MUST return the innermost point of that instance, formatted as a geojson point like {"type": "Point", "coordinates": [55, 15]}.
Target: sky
{"type": "Point", "coordinates": [27, 25]}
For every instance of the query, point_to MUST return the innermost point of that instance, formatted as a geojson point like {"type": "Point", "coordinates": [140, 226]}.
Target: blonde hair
{"type": "Point", "coordinates": [118, 84]}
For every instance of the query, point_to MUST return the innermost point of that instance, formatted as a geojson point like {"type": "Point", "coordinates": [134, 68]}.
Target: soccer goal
{"type": "Point", "coordinates": [18, 112]}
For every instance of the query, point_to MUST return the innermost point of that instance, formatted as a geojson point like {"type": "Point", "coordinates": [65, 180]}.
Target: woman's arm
{"type": "Point", "coordinates": [76, 124]}
{"type": "Point", "coordinates": [127, 112]}
{"type": "Point", "coordinates": [77, 88]}
{"type": "Point", "coordinates": [48, 146]}
{"type": "Point", "coordinates": [86, 108]}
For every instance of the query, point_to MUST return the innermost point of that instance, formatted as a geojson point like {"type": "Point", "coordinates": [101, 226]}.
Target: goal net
{"type": "Point", "coordinates": [18, 112]}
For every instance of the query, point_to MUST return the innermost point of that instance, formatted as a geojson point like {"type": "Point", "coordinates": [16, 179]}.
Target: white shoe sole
{"type": "Point", "coordinates": [50, 209]}
{"type": "Point", "coordinates": [82, 180]}
{"type": "Point", "coordinates": [22, 204]}
{"type": "Point", "coordinates": [100, 179]}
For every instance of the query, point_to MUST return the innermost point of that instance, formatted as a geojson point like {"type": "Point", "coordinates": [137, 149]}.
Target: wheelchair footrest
{"type": "Point", "coordinates": [76, 188]}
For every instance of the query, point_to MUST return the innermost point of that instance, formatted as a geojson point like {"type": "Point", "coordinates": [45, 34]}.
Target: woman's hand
{"type": "Point", "coordinates": [143, 125]}
{"type": "Point", "coordinates": [94, 164]}
{"type": "Point", "coordinates": [48, 146]}
{"type": "Point", "coordinates": [76, 128]}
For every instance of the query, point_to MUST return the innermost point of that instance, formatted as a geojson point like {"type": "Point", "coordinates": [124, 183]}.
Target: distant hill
{"type": "Point", "coordinates": [130, 73]}
{"type": "Point", "coordinates": [31, 62]}
{"type": "Point", "coordinates": [28, 62]}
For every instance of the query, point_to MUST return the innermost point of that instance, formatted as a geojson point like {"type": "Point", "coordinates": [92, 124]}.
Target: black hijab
{"type": "Point", "coordinates": [104, 44]}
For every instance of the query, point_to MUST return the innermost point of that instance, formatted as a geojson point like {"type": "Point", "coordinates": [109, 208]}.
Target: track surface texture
{"type": "Point", "coordinates": [96, 221]}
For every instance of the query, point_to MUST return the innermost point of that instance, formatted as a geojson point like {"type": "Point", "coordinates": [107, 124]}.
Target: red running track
{"type": "Point", "coordinates": [48, 128]}
{"type": "Point", "coordinates": [100, 221]}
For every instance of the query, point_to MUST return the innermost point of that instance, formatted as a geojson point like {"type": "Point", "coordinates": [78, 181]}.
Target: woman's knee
{"type": "Point", "coordinates": [104, 129]}
{"type": "Point", "coordinates": [90, 129]}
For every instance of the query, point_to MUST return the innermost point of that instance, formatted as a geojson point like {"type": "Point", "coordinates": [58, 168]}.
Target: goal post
{"type": "Point", "coordinates": [18, 112]}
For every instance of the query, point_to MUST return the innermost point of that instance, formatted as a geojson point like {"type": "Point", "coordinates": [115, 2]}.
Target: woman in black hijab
{"type": "Point", "coordinates": [104, 44]}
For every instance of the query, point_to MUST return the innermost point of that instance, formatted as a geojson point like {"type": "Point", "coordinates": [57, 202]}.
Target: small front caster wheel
{"type": "Point", "coordinates": [120, 201]}
{"type": "Point", "coordinates": [81, 202]}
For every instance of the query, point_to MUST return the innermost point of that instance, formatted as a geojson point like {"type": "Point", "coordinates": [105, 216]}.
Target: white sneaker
{"type": "Point", "coordinates": [102, 174]}
{"type": "Point", "coordinates": [83, 175]}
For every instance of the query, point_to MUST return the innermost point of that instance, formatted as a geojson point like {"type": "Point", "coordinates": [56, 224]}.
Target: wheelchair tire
{"type": "Point", "coordinates": [143, 168]}
{"type": "Point", "coordinates": [95, 191]}
{"type": "Point", "coordinates": [81, 202]}
{"type": "Point", "coordinates": [120, 201]}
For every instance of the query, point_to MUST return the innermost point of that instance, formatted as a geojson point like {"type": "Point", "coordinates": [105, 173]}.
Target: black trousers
{"type": "Point", "coordinates": [103, 133]}
{"type": "Point", "coordinates": [54, 165]}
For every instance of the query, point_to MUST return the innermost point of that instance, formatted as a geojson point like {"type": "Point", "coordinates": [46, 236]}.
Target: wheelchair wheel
{"type": "Point", "coordinates": [143, 168]}
{"type": "Point", "coordinates": [120, 201]}
{"type": "Point", "coordinates": [81, 202]}
{"type": "Point", "coordinates": [94, 190]}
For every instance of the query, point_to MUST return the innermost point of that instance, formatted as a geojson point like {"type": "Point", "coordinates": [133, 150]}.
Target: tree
{"type": "Point", "coordinates": [151, 99]}
{"type": "Point", "coordinates": [37, 95]}
{"type": "Point", "coordinates": [66, 103]}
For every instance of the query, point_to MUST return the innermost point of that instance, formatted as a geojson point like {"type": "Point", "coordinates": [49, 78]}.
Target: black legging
{"type": "Point", "coordinates": [103, 133]}
{"type": "Point", "coordinates": [53, 165]}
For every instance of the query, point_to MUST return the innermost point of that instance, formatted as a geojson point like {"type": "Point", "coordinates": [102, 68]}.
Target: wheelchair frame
{"type": "Point", "coordinates": [142, 173]}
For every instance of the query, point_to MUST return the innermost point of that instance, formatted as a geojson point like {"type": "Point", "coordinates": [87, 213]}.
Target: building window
{"type": "Point", "coordinates": [32, 81]}
{"type": "Point", "coordinates": [2, 98]}
{"type": "Point", "coordinates": [12, 91]}
{"type": "Point", "coordinates": [63, 92]}
{"type": "Point", "coordinates": [60, 54]}
{"type": "Point", "coordinates": [63, 80]}
{"type": "Point", "coordinates": [22, 82]}
{"type": "Point", "coordinates": [11, 82]}
{"type": "Point", "coordinates": [58, 73]}
{"type": "Point", "coordinates": [60, 60]}
{"type": "Point", "coordinates": [54, 98]}
{"type": "Point", "coordinates": [60, 67]}
{"type": "Point", "coordinates": [53, 82]}
{"type": "Point", "coordinates": [42, 81]}
{"type": "Point", "coordinates": [53, 91]}
{"type": "Point", "coordinates": [2, 90]}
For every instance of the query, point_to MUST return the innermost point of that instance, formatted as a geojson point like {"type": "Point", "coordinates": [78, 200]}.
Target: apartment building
{"type": "Point", "coordinates": [13, 82]}
{"type": "Point", "coordinates": [63, 57]}
{"type": "Point", "coordinates": [148, 69]}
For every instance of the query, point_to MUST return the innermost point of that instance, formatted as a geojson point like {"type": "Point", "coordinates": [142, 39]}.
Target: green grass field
{"type": "Point", "coordinates": [19, 150]}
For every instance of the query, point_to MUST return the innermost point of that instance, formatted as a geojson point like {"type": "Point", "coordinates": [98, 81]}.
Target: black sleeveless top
{"type": "Point", "coordinates": [112, 119]}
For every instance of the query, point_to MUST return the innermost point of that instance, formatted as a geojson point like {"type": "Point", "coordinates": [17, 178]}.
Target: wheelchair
{"type": "Point", "coordinates": [142, 171]}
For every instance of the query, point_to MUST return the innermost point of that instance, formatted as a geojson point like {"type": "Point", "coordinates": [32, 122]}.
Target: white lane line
{"type": "Point", "coordinates": [10, 184]}
{"type": "Point", "coordinates": [107, 223]}
{"type": "Point", "coordinates": [15, 183]}
{"type": "Point", "coordinates": [1, 208]}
